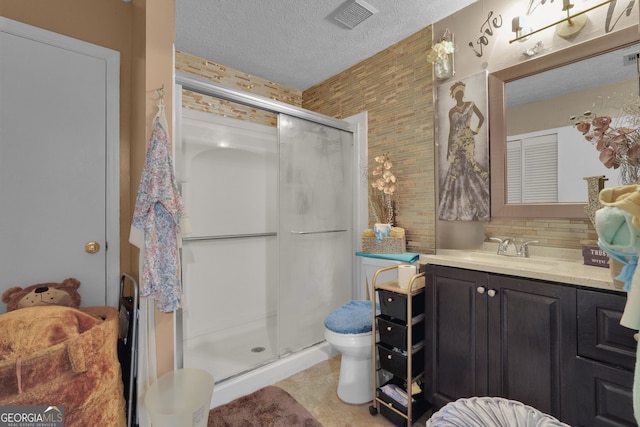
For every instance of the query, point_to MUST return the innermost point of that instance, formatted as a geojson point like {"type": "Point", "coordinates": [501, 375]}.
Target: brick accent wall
{"type": "Point", "coordinates": [226, 76]}
{"type": "Point", "coordinates": [395, 87]}
{"type": "Point", "coordinates": [558, 233]}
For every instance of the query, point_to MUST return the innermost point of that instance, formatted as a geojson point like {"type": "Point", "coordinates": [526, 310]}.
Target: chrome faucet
{"type": "Point", "coordinates": [523, 249]}
{"type": "Point", "coordinates": [503, 245]}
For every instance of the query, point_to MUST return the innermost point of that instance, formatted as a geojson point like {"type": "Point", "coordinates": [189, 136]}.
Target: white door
{"type": "Point", "coordinates": [59, 126]}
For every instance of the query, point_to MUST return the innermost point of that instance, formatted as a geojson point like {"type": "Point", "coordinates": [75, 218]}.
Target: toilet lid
{"type": "Point", "coordinates": [352, 318]}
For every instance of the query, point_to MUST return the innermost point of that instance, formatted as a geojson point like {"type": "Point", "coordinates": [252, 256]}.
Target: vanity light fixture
{"type": "Point", "coordinates": [570, 25]}
{"type": "Point", "coordinates": [573, 24]}
{"type": "Point", "coordinates": [519, 26]}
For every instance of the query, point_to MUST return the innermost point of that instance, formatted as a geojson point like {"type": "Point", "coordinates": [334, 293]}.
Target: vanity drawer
{"type": "Point", "coordinates": [394, 334]}
{"type": "Point", "coordinates": [600, 335]}
{"type": "Point", "coordinates": [395, 362]}
{"type": "Point", "coordinates": [394, 305]}
{"type": "Point", "coordinates": [604, 395]}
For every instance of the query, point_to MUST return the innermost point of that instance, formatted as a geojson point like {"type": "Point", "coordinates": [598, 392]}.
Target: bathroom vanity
{"type": "Point", "coordinates": [543, 331]}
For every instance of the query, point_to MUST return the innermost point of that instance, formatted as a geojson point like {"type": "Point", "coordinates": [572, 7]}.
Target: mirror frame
{"type": "Point", "coordinates": [497, 123]}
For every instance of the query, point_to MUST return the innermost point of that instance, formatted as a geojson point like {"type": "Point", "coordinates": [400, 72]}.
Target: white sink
{"type": "Point", "coordinates": [559, 266]}
{"type": "Point", "coordinates": [483, 257]}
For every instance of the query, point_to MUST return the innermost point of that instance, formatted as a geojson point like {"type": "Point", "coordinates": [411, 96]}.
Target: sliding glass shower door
{"type": "Point", "coordinates": [271, 252]}
{"type": "Point", "coordinates": [315, 228]}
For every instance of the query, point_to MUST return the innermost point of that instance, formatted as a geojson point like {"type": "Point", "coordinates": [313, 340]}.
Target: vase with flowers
{"type": "Point", "coordinates": [617, 142]}
{"type": "Point", "coordinates": [441, 56]}
{"type": "Point", "coordinates": [383, 188]}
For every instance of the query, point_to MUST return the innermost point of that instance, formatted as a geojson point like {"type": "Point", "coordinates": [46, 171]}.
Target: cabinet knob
{"type": "Point", "coordinates": [389, 328]}
{"type": "Point", "coordinates": [389, 299]}
{"type": "Point", "coordinates": [491, 293]}
{"type": "Point", "coordinates": [389, 356]}
{"type": "Point", "coordinates": [480, 289]}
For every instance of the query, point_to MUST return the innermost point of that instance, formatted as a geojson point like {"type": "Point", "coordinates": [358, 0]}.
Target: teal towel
{"type": "Point", "coordinates": [408, 257]}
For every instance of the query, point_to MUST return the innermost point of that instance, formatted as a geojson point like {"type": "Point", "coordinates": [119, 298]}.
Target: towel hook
{"type": "Point", "coordinates": [160, 93]}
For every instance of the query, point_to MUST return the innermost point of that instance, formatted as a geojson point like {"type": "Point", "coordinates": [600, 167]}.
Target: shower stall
{"type": "Point", "coordinates": [272, 249]}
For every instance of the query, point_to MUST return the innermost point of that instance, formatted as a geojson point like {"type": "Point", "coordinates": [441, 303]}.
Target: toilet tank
{"type": "Point", "coordinates": [369, 266]}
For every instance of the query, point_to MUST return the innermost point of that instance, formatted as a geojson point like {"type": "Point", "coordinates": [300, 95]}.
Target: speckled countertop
{"type": "Point", "coordinates": [550, 264]}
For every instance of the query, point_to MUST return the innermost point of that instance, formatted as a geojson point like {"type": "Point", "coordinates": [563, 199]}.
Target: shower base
{"type": "Point", "coordinates": [237, 370]}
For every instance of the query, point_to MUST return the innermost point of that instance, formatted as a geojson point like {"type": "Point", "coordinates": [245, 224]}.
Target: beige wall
{"type": "Point", "coordinates": [152, 41]}
{"type": "Point", "coordinates": [483, 34]}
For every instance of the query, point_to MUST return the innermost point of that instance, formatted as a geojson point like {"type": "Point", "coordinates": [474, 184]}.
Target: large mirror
{"type": "Point", "coordinates": [524, 108]}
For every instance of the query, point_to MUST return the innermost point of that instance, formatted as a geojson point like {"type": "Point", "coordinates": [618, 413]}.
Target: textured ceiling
{"type": "Point", "coordinates": [297, 43]}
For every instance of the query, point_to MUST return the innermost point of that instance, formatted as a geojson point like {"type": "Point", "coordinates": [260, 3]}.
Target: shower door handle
{"type": "Point", "coordinates": [228, 236]}
{"type": "Point", "coordinates": [316, 232]}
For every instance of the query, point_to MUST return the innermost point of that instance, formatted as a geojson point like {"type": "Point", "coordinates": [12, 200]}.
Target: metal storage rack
{"type": "Point", "coordinates": [399, 350]}
{"type": "Point", "coordinates": [129, 314]}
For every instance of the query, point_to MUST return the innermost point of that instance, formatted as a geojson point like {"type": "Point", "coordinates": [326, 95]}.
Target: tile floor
{"type": "Point", "coordinates": [315, 388]}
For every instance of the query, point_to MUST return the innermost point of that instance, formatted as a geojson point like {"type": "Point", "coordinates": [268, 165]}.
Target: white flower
{"type": "Point", "coordinates": [384, 183]}
{"type": "Point", "coordinates": [440, 51]}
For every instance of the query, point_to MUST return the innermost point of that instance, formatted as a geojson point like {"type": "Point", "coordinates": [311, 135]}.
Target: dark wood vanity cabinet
{"type": "Point", "coordinates": [605, 361]}
{"type": "Point", "coordinates": [494, 335]}
{"type": "Point", "coordinates": [558, 348]}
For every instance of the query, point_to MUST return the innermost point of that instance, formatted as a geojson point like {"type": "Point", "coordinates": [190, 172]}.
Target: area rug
{"type": "Point", "coordinates": [268, 407]}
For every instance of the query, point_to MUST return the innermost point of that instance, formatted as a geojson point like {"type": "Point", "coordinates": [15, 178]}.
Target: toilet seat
{"type": "Point", "coordinates": [353, 317]}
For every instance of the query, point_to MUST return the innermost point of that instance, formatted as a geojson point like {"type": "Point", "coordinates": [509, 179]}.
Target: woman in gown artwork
{"type": "Point", "coordinates": [464, 192]}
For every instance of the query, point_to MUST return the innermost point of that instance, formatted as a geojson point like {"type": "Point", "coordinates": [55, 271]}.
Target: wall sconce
{"type": "Point", "coordinates": [441, 56]}
{"type": "Point", "coordinates": [567, 27]}
{"type": "Point", "coordinates": [519, 26]}
{"type": "Point", "coordinates": [573, 24]}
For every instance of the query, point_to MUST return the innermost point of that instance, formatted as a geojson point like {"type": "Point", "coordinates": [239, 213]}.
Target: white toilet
{"type": "Point", "coordinates": [348, 330]}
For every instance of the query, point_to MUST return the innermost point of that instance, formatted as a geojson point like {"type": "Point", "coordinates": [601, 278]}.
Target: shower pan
{"type": "Point", "coordinates": [273, 242]}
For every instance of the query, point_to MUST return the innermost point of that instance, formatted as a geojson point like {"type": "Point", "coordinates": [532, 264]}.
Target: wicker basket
{"type": "Point", "coordinates": [389, 245]}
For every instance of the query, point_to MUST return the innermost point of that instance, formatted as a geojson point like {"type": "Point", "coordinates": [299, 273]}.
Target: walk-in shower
{"type": "Point", "coordinates": [273, 242]}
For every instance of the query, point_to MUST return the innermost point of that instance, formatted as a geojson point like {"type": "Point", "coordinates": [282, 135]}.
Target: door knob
{"type": "Point", "coordinates": [92, 247]}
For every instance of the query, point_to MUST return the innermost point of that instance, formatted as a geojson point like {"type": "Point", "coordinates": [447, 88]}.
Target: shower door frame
{"type": "Point", "coordinates": [206, 87]}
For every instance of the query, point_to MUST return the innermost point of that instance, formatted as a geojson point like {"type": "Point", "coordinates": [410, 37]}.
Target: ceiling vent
{"type": "Point", "coordinates": [353, 12]}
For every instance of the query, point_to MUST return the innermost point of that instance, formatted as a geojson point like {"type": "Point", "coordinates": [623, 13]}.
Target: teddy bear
{"type": "Point", "coordinates": [64, 293]}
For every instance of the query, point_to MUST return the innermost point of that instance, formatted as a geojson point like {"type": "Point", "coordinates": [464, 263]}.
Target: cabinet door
{"type": "Point", "coordinates": [604, 394]}
{"type": "Point", "coordinates": [456, 334]}
{"type": "Point", "coordinates": [601, 337]}
{"type": "Point", "coordinates": [605, 363]}
{"type": "Point", "coordinates": [532, 343]}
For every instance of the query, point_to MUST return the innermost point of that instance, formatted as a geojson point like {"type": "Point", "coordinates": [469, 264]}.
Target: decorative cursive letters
{"type": "Point", "coordinates": [486, 30]}
{"type": "Point", "coordinates": [608, 26]}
